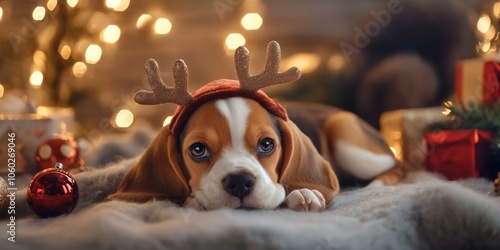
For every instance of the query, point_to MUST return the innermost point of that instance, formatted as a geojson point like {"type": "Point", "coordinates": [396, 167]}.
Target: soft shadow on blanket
{"type": "Point", "coordinates": [423, 212]}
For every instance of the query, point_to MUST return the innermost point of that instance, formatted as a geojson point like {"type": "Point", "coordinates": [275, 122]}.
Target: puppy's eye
{"type": "Point", "coordinates": [198, 151]}
{"type": "Point", "coordinates": [266, 146]}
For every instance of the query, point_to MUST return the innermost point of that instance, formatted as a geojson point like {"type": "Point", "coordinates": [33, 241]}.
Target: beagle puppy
{"type": "Point", "coordinates": [230, 145]}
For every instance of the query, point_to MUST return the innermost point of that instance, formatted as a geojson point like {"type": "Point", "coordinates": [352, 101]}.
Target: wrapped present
{"type": "Point", "coordinates": [22, 134]}
{"type": "Point", "coordinates": [477, 80]}
{"type": "Point", "coordinates": [460, 154]}
{"type": "Point", "coordinates": [404, 132]}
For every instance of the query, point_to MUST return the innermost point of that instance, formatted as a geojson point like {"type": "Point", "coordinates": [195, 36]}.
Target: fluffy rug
{"type": "Point", "coordinates": [423, 212]}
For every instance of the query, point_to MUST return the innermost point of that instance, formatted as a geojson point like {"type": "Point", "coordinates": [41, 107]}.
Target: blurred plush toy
{"type": "Point", "coordinates": [410, 61]}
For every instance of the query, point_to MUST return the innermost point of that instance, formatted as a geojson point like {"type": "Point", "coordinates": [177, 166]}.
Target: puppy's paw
{"type": "Point", "coordinates": [306, 200]}
{"type": "Point", "coordinates": [375, 184]}
{"type": "Point", "coordinates": [192, 202]}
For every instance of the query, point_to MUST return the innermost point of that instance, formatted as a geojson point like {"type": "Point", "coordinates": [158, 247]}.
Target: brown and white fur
{"type": "Point", "coordinates": [234, 153]}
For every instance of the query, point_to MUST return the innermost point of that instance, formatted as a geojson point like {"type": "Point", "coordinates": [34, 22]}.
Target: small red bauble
{"type": "Point", "coordinates": [52, 192]}
{"type": "Point", "coordinates": [62, 149]}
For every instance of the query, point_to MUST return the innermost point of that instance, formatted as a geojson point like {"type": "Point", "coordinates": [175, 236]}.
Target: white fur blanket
{"type": "Point", "coordinates": [423, 212]}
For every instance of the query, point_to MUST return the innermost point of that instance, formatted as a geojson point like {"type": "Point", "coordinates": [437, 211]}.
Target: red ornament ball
{"type": "Point", "coordinates": [52, 192]}
{"type": "Point", "coordinates": [61, 149]}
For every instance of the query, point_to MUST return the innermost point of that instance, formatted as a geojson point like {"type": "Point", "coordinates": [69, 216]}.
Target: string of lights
{"type": "Point", "coordinates": [84, 51]}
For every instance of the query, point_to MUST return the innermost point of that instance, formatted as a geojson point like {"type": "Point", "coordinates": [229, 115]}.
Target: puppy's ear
{"type": "Point", "coordinates": [303, 166]}
{"type": "Point", "coordinates": [157, 175]}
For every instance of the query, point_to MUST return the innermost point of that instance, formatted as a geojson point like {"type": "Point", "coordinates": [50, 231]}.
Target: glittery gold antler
{"type": "Point", "coordinates": [269, 76]}
{"type": "Point", "coordinates": [160, 93]}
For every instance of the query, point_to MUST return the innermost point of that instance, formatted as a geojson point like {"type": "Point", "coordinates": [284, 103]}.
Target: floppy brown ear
{"type": "Point", "coordinates": [157, 175]}
{"type": "Point", "coordinates": [303, 166]}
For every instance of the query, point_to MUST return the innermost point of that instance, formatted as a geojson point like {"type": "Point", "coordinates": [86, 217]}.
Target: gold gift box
{"type": "Point", "coordinates": [30, 130]}
{"type": "Point", "coordinates": [404, 131]}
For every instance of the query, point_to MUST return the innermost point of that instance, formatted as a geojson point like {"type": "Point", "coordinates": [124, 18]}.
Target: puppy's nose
{"type": "Point", "coordinates": [238, 185]}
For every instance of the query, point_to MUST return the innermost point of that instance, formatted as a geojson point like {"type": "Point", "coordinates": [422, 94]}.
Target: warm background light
{"type": "Point", "coordinates": [162, 26]}
{"type": "Point", "coordinates": [72, 3]}
{"type": "Point", "coordinates": [39, 57]}
{"type": "Point", "coordinates": [1, 13]}
{"type": "Point", "coordinates": [167, 120]}
{"type": "Point", "coordinates": [496, 9]}
{"type": "Point", "coordinates": [251, 21]}
{"type": "Point", "coordinates": [93, 54]}
{"type": "Point", "coordinates": [234, 40]}
{"type": "Point", "coordinates": [51, 4]}
{"type": "Point", "coordinates": [111, 34]}
{"type": "Point", "coordinates": [336, 62]}
{"type": "Point", "coordinates": [483, 24]}
{"type": "Point", "coordinates": [144, 21]}
{"type": "Point", "coordinates": [38, 13]}
{"type": "Point", "coordinates": [485, 47]}
{"type": "Point", "coordinates": [122, 6]}
{"type": "Point", "coordinates": [490, 34]}
{"type": "Point", "coordinates": [2, 90]}
{"type": "Point", "coordinates": [65, 51]}
{"type": "Point", "coordinates": [124, 118]}
{"type": "Point", "coordinates": [79, 69]}
{"type": "Point", "coordinates": [36, 78]}
{"type": "Point", "coordinates": [306, 62]}
{"type": "Point", "coordinates": [39, 61]}
{"type": "Point", "coordinates": [112, 3]}
{"type": "Point", "coordinates": [118, 5]}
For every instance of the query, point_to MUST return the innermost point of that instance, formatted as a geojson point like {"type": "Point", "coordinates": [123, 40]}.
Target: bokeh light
{"type": "Point", "coordinates": [39, 57]}
{"type": "Point", "coordinates": [234, 40]}
{"type": "Point", "coordinates": [122, 6]}
{"type": "Point", "coordinates": [38, 61]}
{"type": "Point", "coordinates": [336, 62]}
{"type": "Point", "coordinates": [483, 23]}
{"type": "Point", "coordinates": [251, 21]}
{"type": "Point", "coordinates": [79, 69]}
{"type": "Point", "coordinates": [162, 26]}
{"type": "Point", "coordinates": [496, 9]}
{"type": "Point", "coordinates": [111, 34]}
{"type": "Point", "coordinates": [485, 47]}
{"type": "Point", "coordinates": [38, 13]}
{"type": "Point", "coordinates": [118, 5]}
{"type": "Point", "coordinates": [65, 51]}
{"type": "Point", "coordinates": [112, 3]}
{"type": "Point", "coordinates": [36, 78]}
{"type": "Point", "coordinates": [144, 22]}
{"type": "Point", "coordinates": [167, 121]}
{"type": "Point", "coordinates": [51, 4]}
{"type": "Point", "coordinates": [93, 54]}
{"type": "Point", "coordinates": [124, 118]}
{"type": "Point", "coordinates": [306, 62]}
{"type": "Point", "coordinates": [72, 3]}
{"type": "Point", "coordinates": [490, 34]}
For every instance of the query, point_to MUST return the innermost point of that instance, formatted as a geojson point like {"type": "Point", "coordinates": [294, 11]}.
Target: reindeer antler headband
{"type": "Point", "coordinates": [248, 86]}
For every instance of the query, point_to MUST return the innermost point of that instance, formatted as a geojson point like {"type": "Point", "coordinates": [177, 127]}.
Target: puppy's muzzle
{"type": "Point", "coordinates": [238, 185]}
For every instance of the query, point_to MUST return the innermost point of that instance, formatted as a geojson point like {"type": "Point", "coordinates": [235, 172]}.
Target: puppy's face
{"type": "Point", "coordinates": [232, 151]}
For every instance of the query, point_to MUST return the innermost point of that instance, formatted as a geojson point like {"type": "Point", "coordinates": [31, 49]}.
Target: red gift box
{"type": "Point", "coordinates": [477, 80]}
{"type": "Point", "coordinates": [459, 153]}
